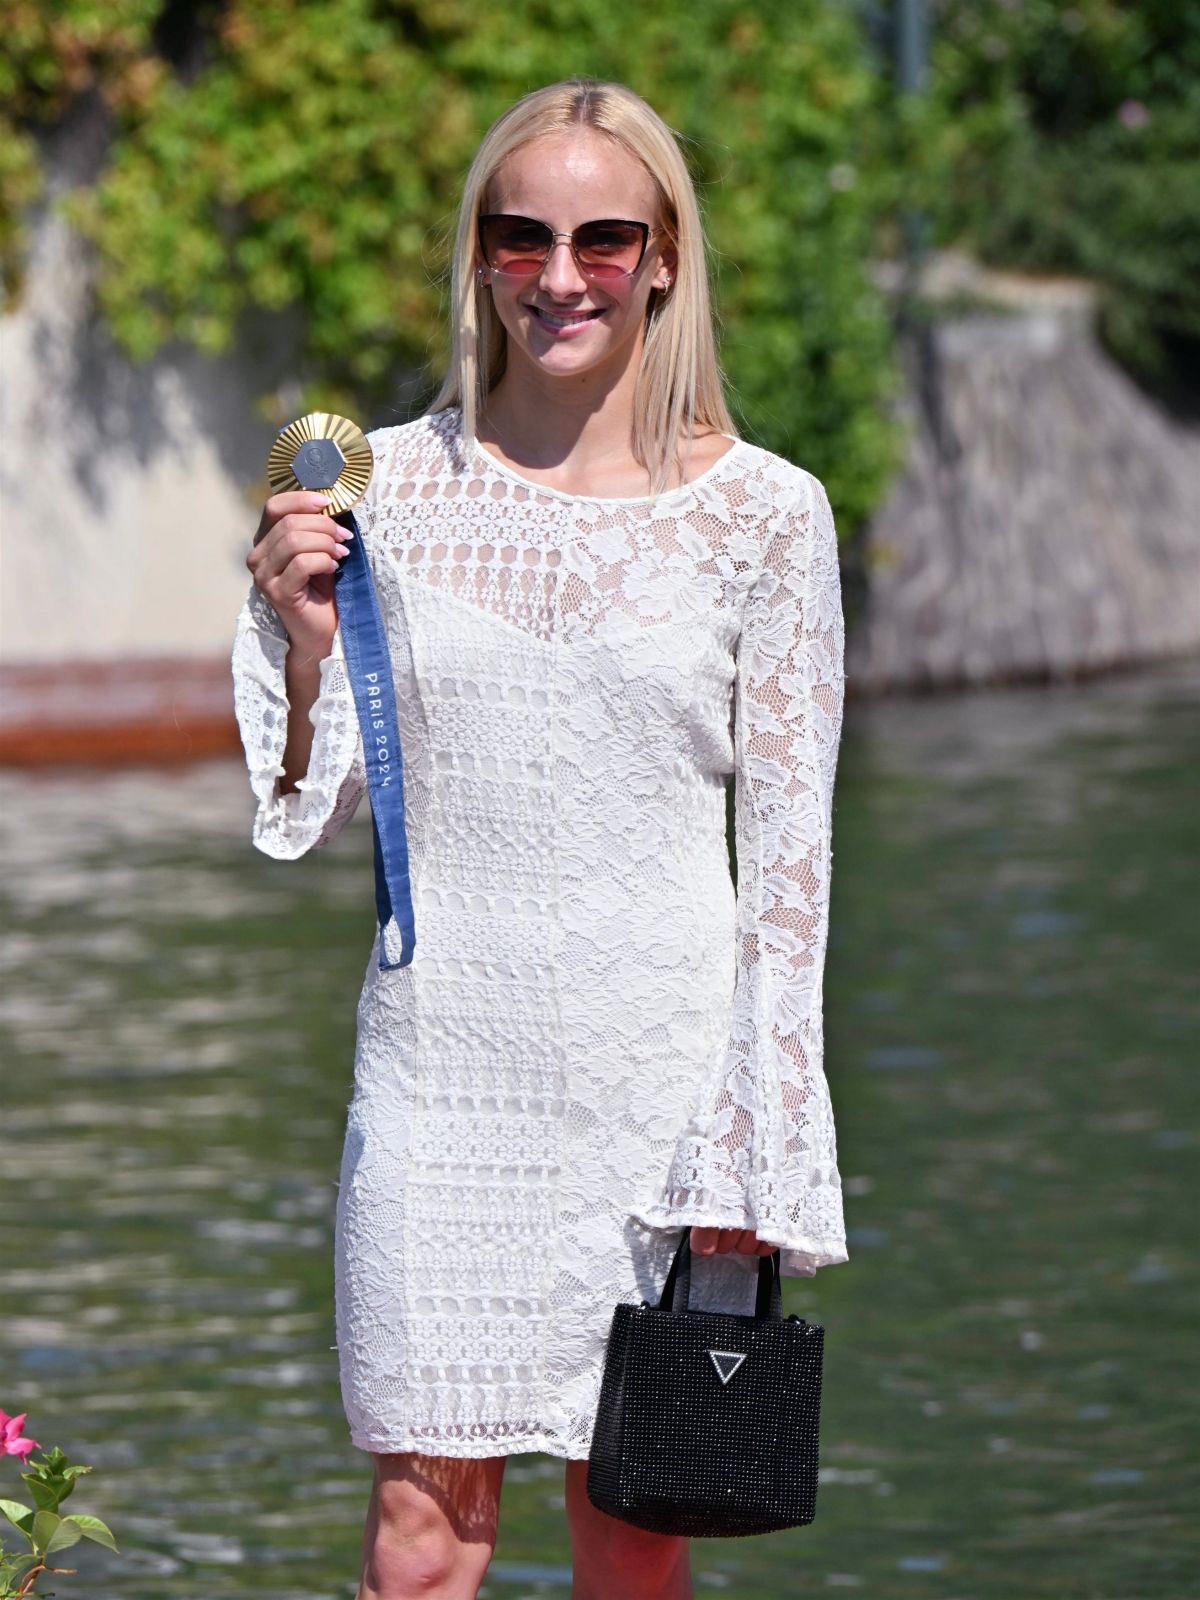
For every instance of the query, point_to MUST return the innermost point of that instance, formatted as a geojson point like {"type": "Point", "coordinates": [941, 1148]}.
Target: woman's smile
{"type": "Point", "coordinates": [565, 323]}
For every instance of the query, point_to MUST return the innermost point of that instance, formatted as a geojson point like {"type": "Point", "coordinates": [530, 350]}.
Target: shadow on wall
{"type": "Point", "coordinates": [125, 417]}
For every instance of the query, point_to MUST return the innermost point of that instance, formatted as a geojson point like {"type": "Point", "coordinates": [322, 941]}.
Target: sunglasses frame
{"type": "Point", "coordinates": [648, 233]}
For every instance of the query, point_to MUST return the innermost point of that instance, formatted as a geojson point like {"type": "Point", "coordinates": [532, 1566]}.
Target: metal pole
{"type": "Point", "coordinates": [912, 76]}
{"type": "Point", "coordinates": [912, 45]}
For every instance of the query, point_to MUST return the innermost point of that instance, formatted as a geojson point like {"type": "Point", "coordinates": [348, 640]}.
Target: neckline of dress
{"type": "Point", "coordinates": [607, 499]}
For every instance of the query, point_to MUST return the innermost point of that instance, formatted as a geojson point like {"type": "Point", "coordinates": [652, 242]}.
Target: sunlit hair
{"type": "Point", "coordinates": [679, 382]}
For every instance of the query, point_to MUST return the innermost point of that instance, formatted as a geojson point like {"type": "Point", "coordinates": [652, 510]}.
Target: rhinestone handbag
{"type": "Point", "coordinates": [708, 1422]}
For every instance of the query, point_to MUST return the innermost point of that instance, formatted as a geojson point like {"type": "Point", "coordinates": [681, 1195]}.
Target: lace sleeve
{"type": "Point", "coordinates": [286, 825]}
{"type": "Point", "coordinates": [759, 1150]}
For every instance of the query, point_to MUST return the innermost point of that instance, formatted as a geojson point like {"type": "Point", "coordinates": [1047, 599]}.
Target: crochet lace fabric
{"type": "Point", "coordinates": [598, 1041]}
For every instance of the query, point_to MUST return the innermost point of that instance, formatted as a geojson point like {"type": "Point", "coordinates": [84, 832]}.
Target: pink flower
{"type": "Point", "coordinates": [10, 1428]}
{"type": "Point", "coordinates": [1133, 114]}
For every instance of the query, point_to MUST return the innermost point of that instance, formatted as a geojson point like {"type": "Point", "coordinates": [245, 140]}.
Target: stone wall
{"type": "Point", "coordinates": [1047, 524]}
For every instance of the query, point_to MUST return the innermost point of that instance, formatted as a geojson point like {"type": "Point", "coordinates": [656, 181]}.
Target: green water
{"type": "Point", "coordinates": [1012, 1038]}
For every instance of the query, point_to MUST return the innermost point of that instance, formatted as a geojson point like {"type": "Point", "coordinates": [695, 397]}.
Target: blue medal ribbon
{"type": "Point", "coordinates": [370, 668]}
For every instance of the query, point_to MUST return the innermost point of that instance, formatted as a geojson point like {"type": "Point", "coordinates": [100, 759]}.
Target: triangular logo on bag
{"type": "Point", "coordinates": [727, 1362]}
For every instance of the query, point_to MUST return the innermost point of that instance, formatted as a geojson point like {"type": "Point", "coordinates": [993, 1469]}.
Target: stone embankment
{"type": "Point", "coordinates": [1047, 523]}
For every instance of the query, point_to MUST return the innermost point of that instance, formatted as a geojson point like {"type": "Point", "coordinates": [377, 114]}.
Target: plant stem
{"type": "Point", "coordinates": [26, 1587]}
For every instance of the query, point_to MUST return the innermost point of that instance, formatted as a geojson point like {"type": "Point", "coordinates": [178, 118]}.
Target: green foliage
{"type": "Point", "coordinates": [315, 159]}
{"type": "Point", "coordinates": [51, 1480]}
{"type": "Point", "coordinates": [48, 55]}
{"type": "Point", "coordinates": [1067, 137]}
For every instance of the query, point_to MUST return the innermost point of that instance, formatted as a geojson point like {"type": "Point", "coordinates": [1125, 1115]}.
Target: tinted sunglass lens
{"type": "Point", "coordinates": [609, 249]}
{"type": "Point", "coordinates": [516, 244]}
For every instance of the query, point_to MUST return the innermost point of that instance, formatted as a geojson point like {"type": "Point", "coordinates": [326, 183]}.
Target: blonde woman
{"type": "Point", "coordinates": [603, 608]}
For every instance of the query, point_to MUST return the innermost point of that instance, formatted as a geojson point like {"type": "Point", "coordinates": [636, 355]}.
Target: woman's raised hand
{"type": "Point", "coordinates": [720, 1241]}
{"type": "Point", "coordinates": [296, 552]}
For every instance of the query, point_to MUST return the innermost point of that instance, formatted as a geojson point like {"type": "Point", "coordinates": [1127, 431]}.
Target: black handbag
{"type": "Point", "coordinates": [708, 1422]}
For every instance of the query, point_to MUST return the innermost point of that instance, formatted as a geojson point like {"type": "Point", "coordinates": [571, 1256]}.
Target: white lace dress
{"type": "Point", "coordinates": [597, 1041]}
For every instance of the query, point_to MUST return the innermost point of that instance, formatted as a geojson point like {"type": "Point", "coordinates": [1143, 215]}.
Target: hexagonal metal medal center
{"type": "Point", "coordinates": [318, 463]}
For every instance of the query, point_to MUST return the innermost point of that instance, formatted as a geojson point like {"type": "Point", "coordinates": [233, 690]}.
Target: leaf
{"type": "Point", "coordinates": [45, 1525]}
{"type": "Point", "coordinates": [20, 1516]}
{"type": "Point", "coordinates": [67, 1533]}
{"type": "Point", "coordinates": [46, 1495]}
{"type": "Point", "coordinates": [93, 1528]}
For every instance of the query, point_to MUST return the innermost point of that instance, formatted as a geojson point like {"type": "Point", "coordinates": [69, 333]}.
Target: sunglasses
{"type": "Point", "coordinates": [521, 246]}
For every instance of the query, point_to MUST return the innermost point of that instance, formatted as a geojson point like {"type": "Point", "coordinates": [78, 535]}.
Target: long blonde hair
{"type": "Point", "coordinates": [679, 381]}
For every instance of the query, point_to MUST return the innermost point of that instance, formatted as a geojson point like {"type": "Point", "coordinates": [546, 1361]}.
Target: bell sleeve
{"type": "Point", "coordinates": [287, 825]}
{"type": "Point", "coordinates": [759, 1149]}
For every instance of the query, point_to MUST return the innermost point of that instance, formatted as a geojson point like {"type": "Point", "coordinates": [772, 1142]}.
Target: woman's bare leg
{"type": "Point", "coordinates": [612, 1557]}
{"type": "Point", "coordinates": [431, 1526]}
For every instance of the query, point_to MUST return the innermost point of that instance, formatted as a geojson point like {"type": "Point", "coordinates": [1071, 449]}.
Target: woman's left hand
{"type": "Point", "coordinates": [720, 1241]}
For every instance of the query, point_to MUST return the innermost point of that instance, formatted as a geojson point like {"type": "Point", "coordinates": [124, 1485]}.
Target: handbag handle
{"type": "Point", "coordinates": [769, 1304]}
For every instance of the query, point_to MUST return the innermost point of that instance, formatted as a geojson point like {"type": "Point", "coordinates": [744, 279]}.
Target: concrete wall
{"type": "Point", "coordinates": [128, 494]}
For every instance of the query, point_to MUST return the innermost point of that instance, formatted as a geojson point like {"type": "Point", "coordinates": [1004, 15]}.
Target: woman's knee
{"type": "Point", "coordinates": [432, 1527]}
{"type": "Point", "coordinates": [402, 1565]}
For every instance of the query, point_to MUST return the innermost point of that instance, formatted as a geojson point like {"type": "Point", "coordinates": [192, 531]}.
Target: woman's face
{"type": "Point", "coordinates": [560, 321]}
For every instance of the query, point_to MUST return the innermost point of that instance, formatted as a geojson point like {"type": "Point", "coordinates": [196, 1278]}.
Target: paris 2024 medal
{"type": "Point", "coordinates": [325, 452]}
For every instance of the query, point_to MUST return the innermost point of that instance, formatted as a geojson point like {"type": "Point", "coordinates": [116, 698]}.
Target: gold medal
{"type": "Point", "coordinates": [324, 452]}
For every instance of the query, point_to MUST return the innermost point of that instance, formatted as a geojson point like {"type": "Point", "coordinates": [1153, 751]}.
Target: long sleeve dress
{"type": "Point", "coordinates": [599, 1041]}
